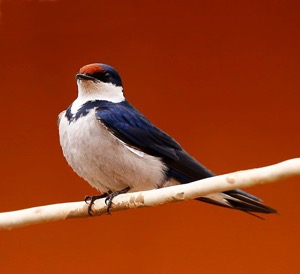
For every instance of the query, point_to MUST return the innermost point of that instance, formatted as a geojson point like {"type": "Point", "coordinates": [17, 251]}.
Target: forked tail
{"type": "Point", "coordinates": [238, 199]}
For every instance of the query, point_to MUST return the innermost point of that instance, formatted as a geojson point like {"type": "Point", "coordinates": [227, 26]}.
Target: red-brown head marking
{"type": "Point", "coordinates": [91, 69]}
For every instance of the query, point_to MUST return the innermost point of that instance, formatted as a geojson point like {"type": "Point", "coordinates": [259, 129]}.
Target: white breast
{"type": "Point", "coordinates": [103, 160]}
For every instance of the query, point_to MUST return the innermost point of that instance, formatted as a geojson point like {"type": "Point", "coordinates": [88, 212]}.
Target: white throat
{"type": "Point", "coordinates": [90, 91]}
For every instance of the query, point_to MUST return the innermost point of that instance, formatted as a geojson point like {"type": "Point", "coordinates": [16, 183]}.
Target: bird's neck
{"type": "Point", "coordinates": [97, 91]}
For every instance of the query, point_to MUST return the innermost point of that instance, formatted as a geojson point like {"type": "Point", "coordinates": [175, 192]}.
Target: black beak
{"type": "Point", "coordinates": [81, 76]}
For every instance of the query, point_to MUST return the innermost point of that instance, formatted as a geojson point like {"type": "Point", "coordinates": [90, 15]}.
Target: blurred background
{"type": "Point", "coordinates": [222, 77]}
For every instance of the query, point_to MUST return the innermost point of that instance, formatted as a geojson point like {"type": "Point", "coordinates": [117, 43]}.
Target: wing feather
{"type": "Point", "coordinates": [130, 126]}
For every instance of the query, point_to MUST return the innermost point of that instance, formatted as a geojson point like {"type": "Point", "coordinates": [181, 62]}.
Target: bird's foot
{"type": "Point", "coordinates": [111, 196]}
{"type": "Point", "coordinates": [91, 199]}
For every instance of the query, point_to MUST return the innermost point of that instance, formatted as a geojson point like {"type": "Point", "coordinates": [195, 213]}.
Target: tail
{"type": "Point", "coordinates": [238, 199]}
{"type": "Point", "coordinates": [185, 169]}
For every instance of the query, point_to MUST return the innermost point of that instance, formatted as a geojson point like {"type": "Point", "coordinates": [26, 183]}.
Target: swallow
{"type": "Point", "coordinates": [116, 149]}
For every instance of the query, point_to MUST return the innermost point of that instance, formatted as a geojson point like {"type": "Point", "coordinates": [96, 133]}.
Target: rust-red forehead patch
{"type": "Point", "coordinates": [91, 69]}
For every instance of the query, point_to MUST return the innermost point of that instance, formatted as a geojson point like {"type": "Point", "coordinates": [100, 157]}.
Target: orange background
{"type": "Point", "coordinates": [222, 77]}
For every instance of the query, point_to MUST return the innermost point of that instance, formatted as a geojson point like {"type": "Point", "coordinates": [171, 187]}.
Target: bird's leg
{"type": "Point", "coordinates": [111, 196]}
{"type": "Point", "coordinates": [91, 199]}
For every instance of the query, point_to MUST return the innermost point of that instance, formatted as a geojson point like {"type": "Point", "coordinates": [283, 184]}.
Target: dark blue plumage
{"type": "Point", "coordinates": [133, 128]}
{"type": "Point", "coordinates": [82, 111]}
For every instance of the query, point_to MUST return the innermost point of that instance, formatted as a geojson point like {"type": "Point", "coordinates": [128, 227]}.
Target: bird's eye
{"type": "Point", "coordinates": [107, 75]}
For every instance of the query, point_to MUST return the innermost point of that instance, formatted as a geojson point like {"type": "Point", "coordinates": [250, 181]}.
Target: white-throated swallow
{"type": "Point", "coordinates": [116, 149]}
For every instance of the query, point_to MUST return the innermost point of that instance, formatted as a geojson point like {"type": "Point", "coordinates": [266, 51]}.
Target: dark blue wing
{"type": "Point", "coordinates": [129, 125]}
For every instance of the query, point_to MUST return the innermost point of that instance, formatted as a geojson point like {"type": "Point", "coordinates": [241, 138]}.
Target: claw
{"type": "Point", "coordinates": [91, 199]}
{"type": "Point", "coordinates": [111, 196]}
{"type": "Point", "coordinates": [87, 198]}
{"type": "Point", "coordinates": [108, 201]}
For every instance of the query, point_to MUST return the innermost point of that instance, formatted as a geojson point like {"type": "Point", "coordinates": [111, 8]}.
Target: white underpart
{"type": "Point", "coordinates": [105, 161]}
{"type": "Point", "coordinates": [89, 91]}
{"type": "Point", "coordinates": [95, 154]}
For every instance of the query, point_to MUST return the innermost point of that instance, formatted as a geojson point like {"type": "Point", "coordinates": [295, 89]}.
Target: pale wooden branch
{"type": "Point", "coordinates": [239, 179]}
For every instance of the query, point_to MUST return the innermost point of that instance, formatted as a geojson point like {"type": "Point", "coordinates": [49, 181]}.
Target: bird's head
{"type": "Point", "coordinates": [101, 82]}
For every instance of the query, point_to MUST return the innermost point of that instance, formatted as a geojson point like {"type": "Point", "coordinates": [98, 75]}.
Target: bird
{"type": "Point", "coordinates": [116, 149]}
